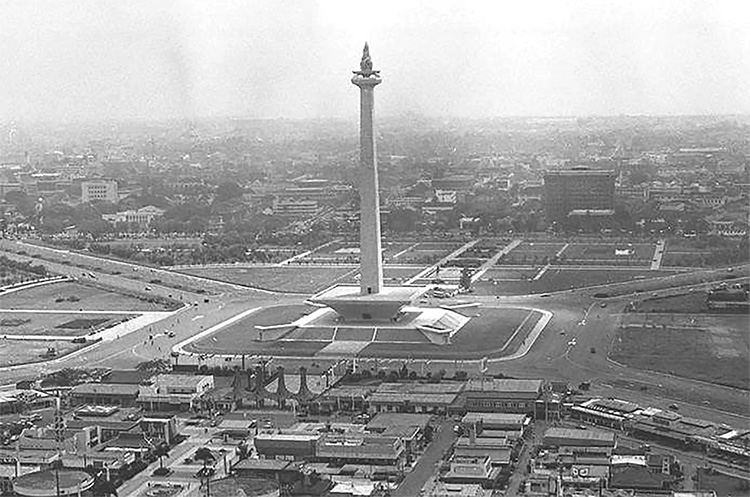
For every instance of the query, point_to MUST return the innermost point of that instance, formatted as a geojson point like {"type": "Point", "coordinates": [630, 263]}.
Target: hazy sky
{"type": "Point", "coordinates": [83, 59]}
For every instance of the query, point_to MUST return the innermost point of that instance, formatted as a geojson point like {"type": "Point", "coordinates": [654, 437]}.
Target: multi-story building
{"type": "Point", "coordinates": [99, 190]}
{"type": "Point", "coordinates": [578, 189]}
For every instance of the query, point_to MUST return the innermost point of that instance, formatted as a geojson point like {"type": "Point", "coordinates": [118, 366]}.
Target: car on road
{"type": "Point", "coordinates": [148, 288]}
{"type": "Point", "coordinates": [603, 305]}
{"type": "Point", "coordinates": [170, 334]}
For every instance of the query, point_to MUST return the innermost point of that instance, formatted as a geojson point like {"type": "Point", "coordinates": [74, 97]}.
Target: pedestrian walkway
{"type": "Point", "coordinates": [441, 262]}
{"type": "Point", "coordinates": [493, 260]}
{"type": "Point", "coordinates": [658, 255]}
{"type": "Point", "coordinates": [305, 254]}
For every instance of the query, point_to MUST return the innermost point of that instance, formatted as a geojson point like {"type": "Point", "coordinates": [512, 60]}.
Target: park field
{"type": "Point", "coordinates": [13, 352]}
{"type": "Point", "coordinates": [72, 296]}
{"type": "Point", "coordinates": [712, 348]}
{"type": "Point", "coordinates": [56, 324]}
{"type": "Point", "coordinates": [557, 279]}
{"type": "Point", "coordinates": [491, 331]}
{"type": "Point", "coordinates": [304, 279]}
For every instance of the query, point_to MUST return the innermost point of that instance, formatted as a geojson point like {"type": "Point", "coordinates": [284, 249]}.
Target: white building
{"type": "Point", "coordinates": [99, 190]}
{"type": "Point", "coordinates": [142, 217]}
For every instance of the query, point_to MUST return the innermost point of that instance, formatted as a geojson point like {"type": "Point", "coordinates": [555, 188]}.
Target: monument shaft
{"type": "Point", "coordinates": [371, 263]}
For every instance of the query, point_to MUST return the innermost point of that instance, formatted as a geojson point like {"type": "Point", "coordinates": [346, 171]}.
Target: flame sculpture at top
{"type": "Point", "coordinates": [365, 65]}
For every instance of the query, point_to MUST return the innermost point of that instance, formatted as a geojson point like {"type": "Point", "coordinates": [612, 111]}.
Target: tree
{"type": "Point", "coordinates": [155, 366]}
{"type": "Point", "coordinates": [465, 281]}
{"type": "Point", "coordinates": [204, 455]}
{"type": "Point", "coordinates": [105, 488]}
{"type": "Point", "coordinates": [161, 451]}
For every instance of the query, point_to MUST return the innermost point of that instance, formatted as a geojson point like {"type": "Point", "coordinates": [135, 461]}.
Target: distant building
{"type": "Point", "coordinates": [142, 217]}
{"type": "Point", "coordinates": [578, 189]}
{"type": "Point", "coordinates": [99, 190]}
{"type": "Point", "coordinates": [294, 207]}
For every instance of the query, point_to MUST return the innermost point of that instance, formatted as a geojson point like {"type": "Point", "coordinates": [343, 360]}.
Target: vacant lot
{"type": "Point", "coordinates": [14, 352]}
{"type": "Point", "coordinates": [292, 278]}
{"type": "Point", "coordinates": [74, 296]}
{"type": "Point", "coordinates": [14, 323]}
{"type": "Point", "coordinates": [707, 348]}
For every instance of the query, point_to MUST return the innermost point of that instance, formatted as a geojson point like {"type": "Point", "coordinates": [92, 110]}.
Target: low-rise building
{"type": "Point", "coordinates": [502, 395]}
{"type": "Point", "coordinates": [104, 394]}
{"type": "Point", "coordinates": [472, 469]}
{"type": "Point", "coordinates": [361, 449]}
{"type": "Point", "coordinates": [174, 392]}
{"type": "Point", "coordinates": [286, 446]}
{"type": "Point", "coordinates": [434, 398]}
{"type": "Point", "coordinates": [571, 440]}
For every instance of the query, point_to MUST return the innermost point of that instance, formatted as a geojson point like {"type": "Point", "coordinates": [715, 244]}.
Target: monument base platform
{"type": "Point", "coordinates": [425, 325]}
{"type": "Point", "coordinates": [355, 307]}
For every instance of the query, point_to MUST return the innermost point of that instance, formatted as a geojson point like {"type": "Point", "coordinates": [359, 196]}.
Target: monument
{"type": "Point", "coordinates": [373, 304]}
{"type": "Point", "coordinates": [370, 250]}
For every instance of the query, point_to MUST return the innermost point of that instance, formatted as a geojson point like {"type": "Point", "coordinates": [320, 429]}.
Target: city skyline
{"type": "Point", "coordinates": [106, 60]}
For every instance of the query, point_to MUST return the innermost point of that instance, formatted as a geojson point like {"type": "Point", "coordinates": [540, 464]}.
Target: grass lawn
{"type": "Point", "coordinates": [231, 487]}
{"type": "Point", "coordinates": [56, 324]}
{"type": "Point", "coordinates": [241, 337]}
{"type": "Point", "coordinates": [508, 274]}
{"type": "Point", "coordinates": [689, 302]}
{"type": "Point", "coordinates": [292, 278]}
{"type": "Point", "coordinates": [27, 351]}
{"type": "Point", "coordinates": [557, 279]}
{"type": "Point", "coordinates": [724, 485]}
{"type": "Point", "coordinates": [486, 333]}
{"type": "Point", "coordinates": [713, 350]}
{"type": "Point", "coordinates": [606, 251]}
{"type": "Point", "coordinates": [686, 259]}
{"type": "Point", "coordinates": [75, 296]}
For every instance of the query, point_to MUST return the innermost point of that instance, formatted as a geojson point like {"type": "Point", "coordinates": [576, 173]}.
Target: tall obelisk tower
{"type": "Point", "coordinates": [371, 263]}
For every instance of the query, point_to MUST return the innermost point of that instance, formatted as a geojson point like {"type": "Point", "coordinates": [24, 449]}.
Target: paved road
{"type": "Point", "coordinates": [426, 467]}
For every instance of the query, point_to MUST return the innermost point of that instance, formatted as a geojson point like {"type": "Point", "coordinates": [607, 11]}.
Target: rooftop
{"type": "Point", "coordinates": [504, 385]}
{"type": "Point", "coordinates": [575, 434]}
{"type": "Point", "coordinates": [105, 389]}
